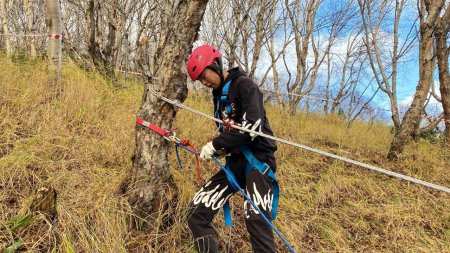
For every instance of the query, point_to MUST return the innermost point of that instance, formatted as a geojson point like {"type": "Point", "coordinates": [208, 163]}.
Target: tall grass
{"type": "Point", "coordinates": [82, 143]}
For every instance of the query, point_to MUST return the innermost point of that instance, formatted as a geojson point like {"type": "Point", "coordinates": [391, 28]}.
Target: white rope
{"type": "Point", "coordinates": [24, 35]}
{"type": "Point", "coordinates": [317, 151]}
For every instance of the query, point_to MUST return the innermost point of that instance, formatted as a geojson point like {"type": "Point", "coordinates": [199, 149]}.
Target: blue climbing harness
{"type": "Point", "coordinates": [225, 101]}
{"type": "Point", "coordinates": [252, 161]}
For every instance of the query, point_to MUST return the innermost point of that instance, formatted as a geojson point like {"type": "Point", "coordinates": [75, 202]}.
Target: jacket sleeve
{"type": "Point", "coordinates": [253, 116]}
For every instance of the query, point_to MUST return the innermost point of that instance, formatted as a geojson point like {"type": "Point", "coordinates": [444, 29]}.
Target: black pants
{"type": "Point", "coordinates": [212, 196]}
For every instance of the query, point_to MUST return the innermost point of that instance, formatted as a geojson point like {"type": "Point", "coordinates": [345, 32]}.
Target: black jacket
{"type": "Point", "coordinates": [248, 109]}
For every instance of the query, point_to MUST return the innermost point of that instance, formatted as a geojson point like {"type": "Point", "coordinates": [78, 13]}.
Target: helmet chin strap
{"type": "Point", "coordinates": [218, 67]}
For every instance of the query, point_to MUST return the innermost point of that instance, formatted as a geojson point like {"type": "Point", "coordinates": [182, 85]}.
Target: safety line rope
{"type": "Point", "coordinates": [314, 150]}
{"type": "Point", "coordinates": [49, 35]}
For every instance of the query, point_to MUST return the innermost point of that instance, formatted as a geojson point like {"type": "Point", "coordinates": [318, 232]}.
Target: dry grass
{"type": "Point", "coordinates": [82, 143]}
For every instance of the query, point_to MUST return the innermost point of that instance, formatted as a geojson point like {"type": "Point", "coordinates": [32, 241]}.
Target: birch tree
{"type": "Point", "coordinates": [385, 72]}
{"type": "Point", "coordinates": [31, 27]}
{"type": "Point", "coordinates": [311, 46]}
{"type": "Point", "coordinates": [150, 185]}
{"type": "Point", "coordinates": [264, 12]}
{"type": "Point", "coordinates": [54, 25]}
{"type": "Point", "coordinates": [351, 63]}
{"type": "Point", "coordinates": [302, 14]}
{"type": "Point", "coordinates": [224, 26]}
{"type": "Point", "coordinates": [5, 30]}
{"type": "Point", "coordinates": [277, 24]}
{"type": "Point", "coordinates": [352, 66]}
{"type": "Point", "coordinates": [442, 51]}
{"type": "Point", "coordinates": [429, 15]}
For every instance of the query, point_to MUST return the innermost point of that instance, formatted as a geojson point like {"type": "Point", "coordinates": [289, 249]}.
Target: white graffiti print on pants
{"type": "Point", "coordinates": [263, 202]}
{"type": "Point", "coordinates": [211, 198]}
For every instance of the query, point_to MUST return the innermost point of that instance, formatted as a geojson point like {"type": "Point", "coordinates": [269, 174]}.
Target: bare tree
{"type": "Point", "coordinates": [373, 14]}
{"type": "Point", "coordinates": [274, 27]}
{"type": "Point", "coordinates": [303, 27]}
{"type": "Point", "coordinates": [147, 25]}
{"type": "Point", "coordinates": [97, 31]}
{"type": "Point", "coordinates": [151, 187]}
{"type": "Point", "coordinates": [31, 28]}
{"type": "Point", "coordinates": [102, 23]}
{"type": "Point", "coordinates": [54, 24]}
{"type": "Point", "coordinates": [352, 66]}
{"type": "Point", "coordinates": [227, 26]}
{"type": "Point", "coordinates": [334, 22]}
{"type": "Point", "coordinates": [264, 10]}
{"type": "Point", "coordinates": [429, 13]}
{"type": "Point", "coordinates": [5, 29]}
{"type": "Point", "coordinates": [214, 23]}
{"type": "Point", "coordinates": [234, 35]}
{"type": "Point", "coordinates": [22, 21]}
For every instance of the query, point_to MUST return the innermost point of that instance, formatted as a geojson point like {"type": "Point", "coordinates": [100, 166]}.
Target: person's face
{"type": "Point", "coordinates": [210, 78]}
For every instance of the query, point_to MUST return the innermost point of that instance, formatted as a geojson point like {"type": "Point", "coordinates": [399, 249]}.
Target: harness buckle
{"type": "Point", "coordinates": [266, 169]}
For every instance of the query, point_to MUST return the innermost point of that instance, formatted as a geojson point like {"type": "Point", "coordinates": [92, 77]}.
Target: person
{"type": "Point", "coordinates": [237, 99]}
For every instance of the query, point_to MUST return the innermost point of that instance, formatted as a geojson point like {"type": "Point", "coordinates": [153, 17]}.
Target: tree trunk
{"type": "Point", "coordinates": [271, 48]}
{"type": "Point", "coordinates": [327, 87]}
{"type": "Point", "coordinates": [5, 29]}
{"type": "Point", "coordinates": [91, 27]}
{"type": "Point", "coordinates": [110, 51]}
{"type": "Point", "coordinates": [442, 53]}
{"type": "Point", "coordinates": [340, 94]}
{"type": "Point", "coordinates": [232, 44]}
{"type": "Point", "coordinates": [31, 28]}
{"type": "Point", "coordinates": [426, 66]}
{"type": "Point", "coordinates": [127, 60]}
{"type": "Point", "coordinates": [261, 29]}
{"type": "Point", "coordinates": [150, 185]}
{"type": "Point", "coordinates": [93, 19]}
{"type": "Point", "coordinates": [54, 25]}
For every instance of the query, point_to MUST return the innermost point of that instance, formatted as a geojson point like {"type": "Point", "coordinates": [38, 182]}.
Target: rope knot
{"type": "Point", "coordinates": [228, 123]}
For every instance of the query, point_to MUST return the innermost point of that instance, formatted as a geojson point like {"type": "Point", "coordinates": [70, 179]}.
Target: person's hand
{"type": "Point", "coordinates": [207, 151]}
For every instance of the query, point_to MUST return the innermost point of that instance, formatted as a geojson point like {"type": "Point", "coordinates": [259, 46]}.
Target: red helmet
{"type": "Point", "coordinates": [201, 57]}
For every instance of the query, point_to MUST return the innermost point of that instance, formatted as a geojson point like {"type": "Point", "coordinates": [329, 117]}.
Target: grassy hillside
{"type": "Point", "coordinates": [82, 143]}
